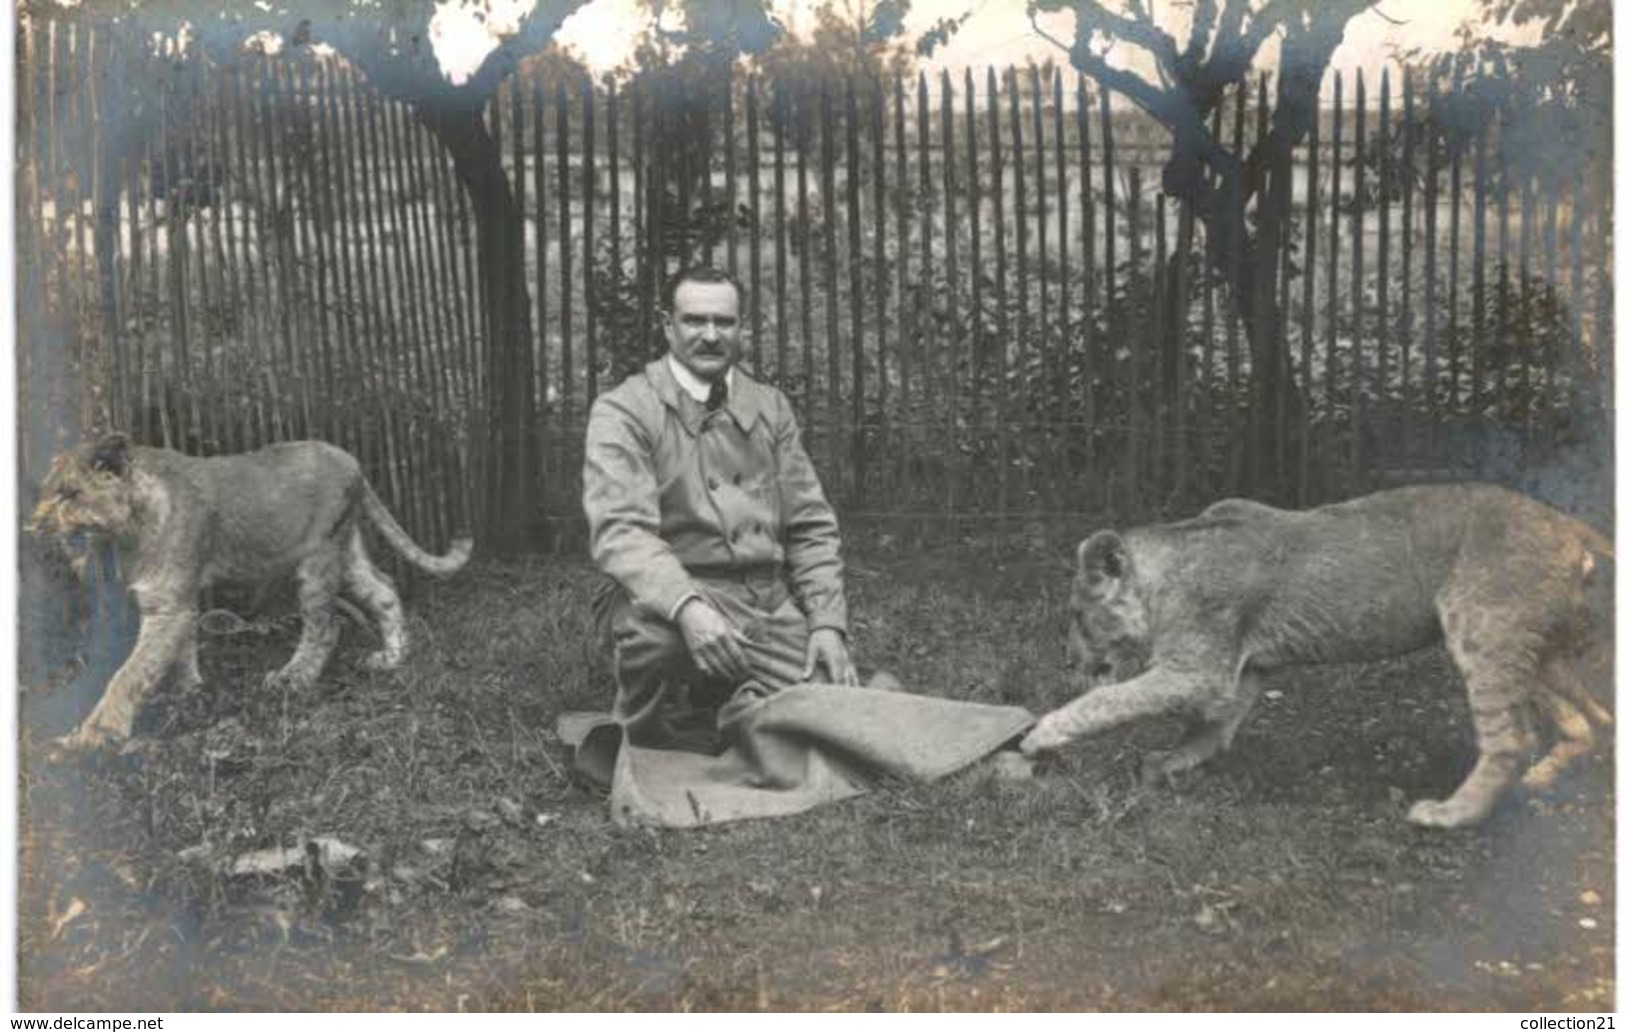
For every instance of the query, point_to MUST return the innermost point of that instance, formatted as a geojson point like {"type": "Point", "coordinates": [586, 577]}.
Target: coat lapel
{"type": "Point", "coordinates": [745, 402]}
{"type": "Point", "coordinates": [688, 411]}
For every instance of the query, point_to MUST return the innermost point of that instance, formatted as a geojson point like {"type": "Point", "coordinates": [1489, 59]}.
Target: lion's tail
{"type": "Point", "coordinates": [395, 534]}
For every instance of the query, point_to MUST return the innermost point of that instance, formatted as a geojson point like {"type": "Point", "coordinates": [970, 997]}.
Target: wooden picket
{"type": "Point", "coordinates": [968, 290]}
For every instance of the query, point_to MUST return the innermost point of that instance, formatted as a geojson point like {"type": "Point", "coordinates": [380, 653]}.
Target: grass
{"type": "Point", "coordinates": [1282, 877]}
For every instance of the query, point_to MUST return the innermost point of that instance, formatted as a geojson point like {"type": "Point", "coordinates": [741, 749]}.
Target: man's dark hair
{"type": "Point", "coordinates": [699, 274]}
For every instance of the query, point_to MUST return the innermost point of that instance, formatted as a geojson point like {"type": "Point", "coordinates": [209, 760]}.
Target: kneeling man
{"type": "Point", "coordinates": [722, 553]}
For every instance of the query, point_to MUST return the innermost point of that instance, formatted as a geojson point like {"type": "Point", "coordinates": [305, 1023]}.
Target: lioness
{"type": "Point", "coordinates": [183, 523]}
{"type": "Point", "coordinates": [1183, 618]}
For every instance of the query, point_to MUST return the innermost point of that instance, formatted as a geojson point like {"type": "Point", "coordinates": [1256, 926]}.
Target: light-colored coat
{"type": "Point", "coordinates": [673, 493]}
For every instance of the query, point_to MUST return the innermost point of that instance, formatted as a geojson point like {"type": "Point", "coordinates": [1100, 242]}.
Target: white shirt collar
{"type": "Point", "coordinates": [692, 385]}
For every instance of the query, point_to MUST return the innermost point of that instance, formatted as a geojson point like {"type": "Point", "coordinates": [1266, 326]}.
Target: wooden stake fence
{"type": "Point", "coordinates": [968, 291]}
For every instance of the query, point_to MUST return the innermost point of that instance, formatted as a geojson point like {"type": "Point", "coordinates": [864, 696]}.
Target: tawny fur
{"type": "Point", "coordinates": [1183, 617]}
{"type": "Point", "coordinates": [182, 524]}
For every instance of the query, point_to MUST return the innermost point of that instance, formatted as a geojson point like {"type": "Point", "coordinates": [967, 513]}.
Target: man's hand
{"type": "Point", "coordinates": [718, 649]}
{"type": "Point", "coordinates": [827, 647]}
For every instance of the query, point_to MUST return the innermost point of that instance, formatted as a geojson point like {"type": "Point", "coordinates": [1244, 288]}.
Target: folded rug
{"type": "Point", "coordinates": [789, 751]}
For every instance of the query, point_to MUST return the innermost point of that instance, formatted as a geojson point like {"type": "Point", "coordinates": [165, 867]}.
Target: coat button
{"type": "Point", "coordinates": [739, 478]}
{"type": "Point", "coordinates": [712, 483]}
{"type": "Point", "coordinates": [738, 532]}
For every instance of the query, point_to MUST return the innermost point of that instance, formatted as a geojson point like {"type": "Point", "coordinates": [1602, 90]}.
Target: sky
{"type": "Point", "coordinates": [997, 32]}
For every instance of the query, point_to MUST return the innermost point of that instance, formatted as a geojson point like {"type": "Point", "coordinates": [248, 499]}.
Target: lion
{"type": "Point", "coordinates": [182, 524]}
{"type": "Point", "coordinates": [1184, 618]}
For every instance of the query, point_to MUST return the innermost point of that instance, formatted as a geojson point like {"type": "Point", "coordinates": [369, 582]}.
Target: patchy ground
{"type": "Point", "coordinates": [1283, 877]}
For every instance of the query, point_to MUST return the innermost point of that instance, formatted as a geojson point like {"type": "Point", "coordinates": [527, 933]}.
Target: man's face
{"type": "Point", "coordinates": [703, 328]}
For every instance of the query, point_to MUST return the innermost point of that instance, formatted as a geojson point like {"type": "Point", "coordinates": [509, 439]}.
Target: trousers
{"type": "Point", "coordinates": [662, 700]}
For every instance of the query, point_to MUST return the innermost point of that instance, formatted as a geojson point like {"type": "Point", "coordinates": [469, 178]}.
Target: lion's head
{"type": "Point", "coordinates": [1109, 638]}
{"type": "Point", "coordinates": [87, 491]}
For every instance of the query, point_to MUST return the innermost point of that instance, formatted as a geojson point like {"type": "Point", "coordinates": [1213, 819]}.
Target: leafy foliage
{"type": "Point", "coordinates": [844, 45]}
{"type": "Point", "coordinates": [1557, 91]}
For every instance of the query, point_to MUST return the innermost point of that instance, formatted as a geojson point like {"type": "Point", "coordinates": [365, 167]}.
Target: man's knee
{"type": "Point", "coordinates": [643, 642]}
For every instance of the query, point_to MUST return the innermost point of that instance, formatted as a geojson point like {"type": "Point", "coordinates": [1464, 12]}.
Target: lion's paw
{"type": "Point", "coordinates": [1540, 777]}
{"type": "Point", "coordinates": [1435, 813]}
{"type": "Point", "coordinates": [286, 680]}
{"type": "Point", "coordinates": [381, 660]}
{"type": "Point", "coordinates": [1011, 766]}
{"type": "Point", "coordinates": [89, 736]}
{"type": "Point", "coordinates": [1042, 738]}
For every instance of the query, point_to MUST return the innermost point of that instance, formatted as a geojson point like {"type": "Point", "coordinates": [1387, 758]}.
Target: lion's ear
{"type": "Point", "coordinates": [111, 454]}
{"type": "Point", "coordinates": [1103, 563]}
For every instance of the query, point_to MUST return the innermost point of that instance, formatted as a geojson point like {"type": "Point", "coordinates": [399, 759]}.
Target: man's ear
{"type": "Point", "coordinates": [111, 454]}
{"type": "Point", "coordinates": [1104, 564]}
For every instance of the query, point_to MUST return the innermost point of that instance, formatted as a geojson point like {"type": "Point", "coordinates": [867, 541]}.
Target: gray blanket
{"type": "Point", "coordinates": [790, 751]}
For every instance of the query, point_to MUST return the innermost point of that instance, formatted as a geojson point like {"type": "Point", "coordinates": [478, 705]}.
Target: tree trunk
{"type": "Point", "coordinates": [1254, 283]}
{"type": "Point", "coordinates": [510, 461]}
{"type": "Point", "coordinates": [1177, 275]}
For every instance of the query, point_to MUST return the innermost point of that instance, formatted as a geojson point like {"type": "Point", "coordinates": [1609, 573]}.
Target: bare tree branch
{"type": "Point", "coordinates": [1140, 31]}
{"type": "Point", "coordinates": [1201, 31]}
{"type": "Point", "coordinates": [1231, 19]}
{"type": "Point", "coordinates": [1032, 17]}
{"type": "Point", "coordinates": [389, 43]}
{"type": "Point", "coordinates": [1237, 48]}
{"type": "Point", "coordinates": [1305, 57]}
{"type": "Point", "coordinates": [1171, 106]}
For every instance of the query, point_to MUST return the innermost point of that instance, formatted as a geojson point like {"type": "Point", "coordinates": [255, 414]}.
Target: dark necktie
{"type": "Point", "coordinates": [718, 395]}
